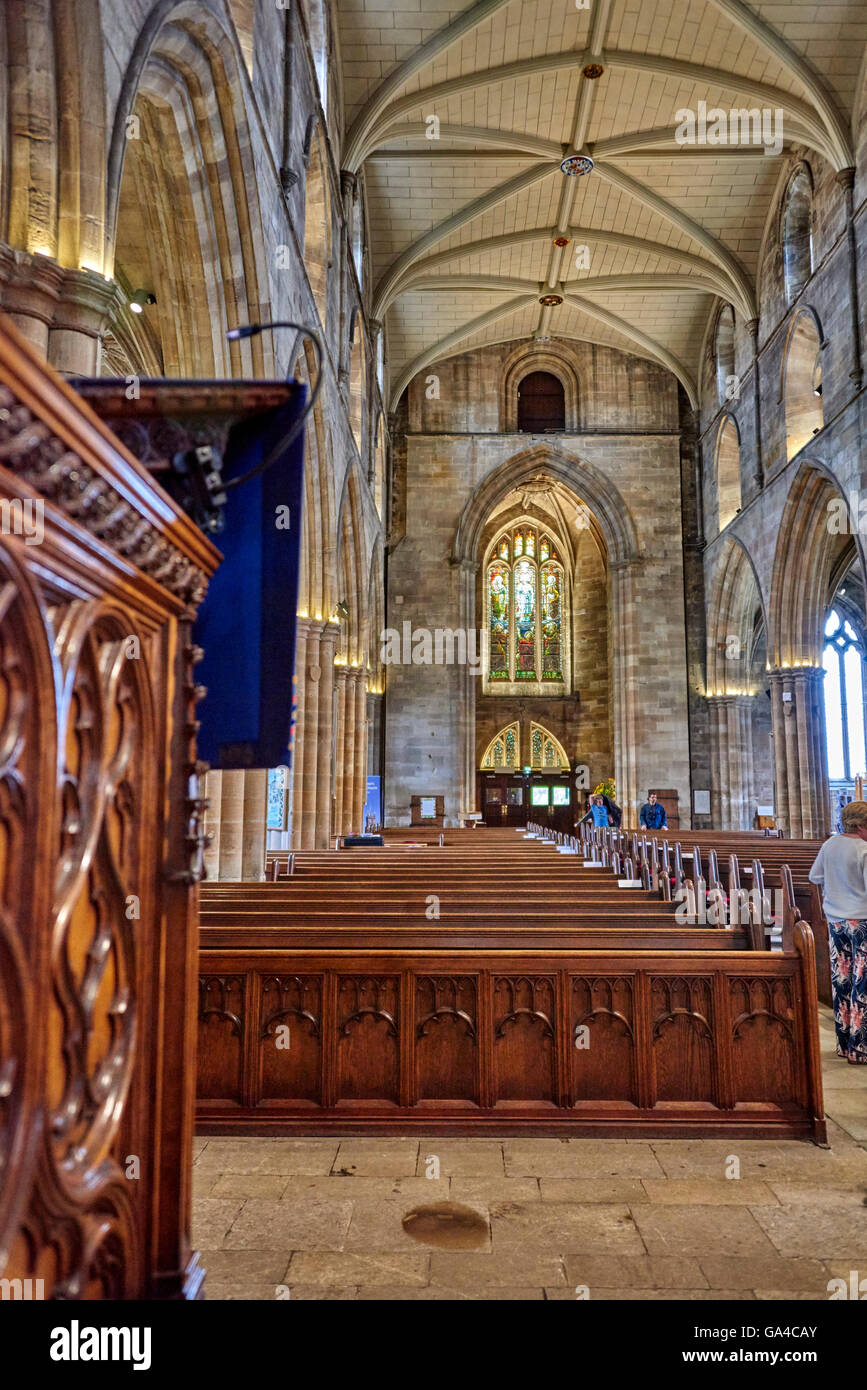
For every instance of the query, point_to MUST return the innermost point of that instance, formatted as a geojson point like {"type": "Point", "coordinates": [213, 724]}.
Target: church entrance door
{"type": "Point", "coordinates": [513, 798]}
{"type": "Point", "coordinates": [504, 798]}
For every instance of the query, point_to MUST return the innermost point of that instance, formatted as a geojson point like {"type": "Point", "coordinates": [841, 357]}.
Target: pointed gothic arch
{"type": "Point", "coordinates": [504, 749]}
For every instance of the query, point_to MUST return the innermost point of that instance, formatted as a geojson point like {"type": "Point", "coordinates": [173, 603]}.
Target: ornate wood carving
{"type": "Point", "coordinates": [96, 953]}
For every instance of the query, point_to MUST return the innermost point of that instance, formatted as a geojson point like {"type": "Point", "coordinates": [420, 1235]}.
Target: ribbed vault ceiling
{"type": "Point", "coordinates": [462, 227]}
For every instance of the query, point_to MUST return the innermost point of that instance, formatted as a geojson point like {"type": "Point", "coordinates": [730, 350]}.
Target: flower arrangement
{"type": "Point", "coordinates": [606, 788]}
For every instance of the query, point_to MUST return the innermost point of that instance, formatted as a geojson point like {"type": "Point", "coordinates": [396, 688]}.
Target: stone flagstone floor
{"type": "Point", "coordinates": [628, 1219]}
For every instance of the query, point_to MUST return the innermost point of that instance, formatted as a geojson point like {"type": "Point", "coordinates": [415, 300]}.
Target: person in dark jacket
{"type": "Point", "coordinates": [653, 815]}
{"type": "Point", "coordinates": [614, 812]}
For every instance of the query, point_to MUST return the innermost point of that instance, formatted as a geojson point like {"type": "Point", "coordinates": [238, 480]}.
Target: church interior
{"type": "Point", "coordinates": [415, 427]}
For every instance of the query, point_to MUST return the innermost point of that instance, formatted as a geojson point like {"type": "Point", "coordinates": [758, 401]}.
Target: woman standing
{"type": "Point", "coordinates": [841, 869]}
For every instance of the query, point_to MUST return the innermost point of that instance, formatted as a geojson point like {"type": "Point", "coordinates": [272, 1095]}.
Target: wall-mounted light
{"type": "Point", "coordinates": [140, 300]}
{"type": "Point", "coordinates": [343, 608]}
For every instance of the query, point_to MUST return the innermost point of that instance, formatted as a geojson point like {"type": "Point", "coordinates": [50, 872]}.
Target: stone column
{"type": "Point", "coordinates": [731, 723]}
{"type": "Point", "coordinates": [625, 677]}
{"type": "Point", "coordinates": [325, 755]}
{"type": "Point", "coordinates": [759, 473]}
{"type": "Point", "coordinates": [232, 824]}
{"type": "Point", "coordinates": [296, 793]}
{"type": "Point", "coordinates": [253, 828]}
{"type": "Point", "coordinates": [344, 826]}
{"type": "Point", "coordinates": [307, 838]}
{"type": "Point", "coordinates": [214, 795]}
{"type": "Point", "coordinates": [467, 682]}
{"type": "Point", "coordinates": [800, 755]}
{"type": "Point", "coordinates": [80, 319]}
{"type": "Point", "coordinates": [30, 292]}
{"type": "Point", "coordinates": [341, 677]}
{"type": "Point", "coordinates": [360, 749]}
{"type": "Point", "coordinates": [846, 180]}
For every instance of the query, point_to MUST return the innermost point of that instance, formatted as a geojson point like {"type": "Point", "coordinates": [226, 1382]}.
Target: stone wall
{"type": "Point", "coordinates": [630, 658]}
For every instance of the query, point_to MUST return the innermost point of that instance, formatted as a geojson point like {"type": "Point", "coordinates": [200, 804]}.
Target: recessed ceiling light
{"type": "Point", "coordinates": [576, 164]}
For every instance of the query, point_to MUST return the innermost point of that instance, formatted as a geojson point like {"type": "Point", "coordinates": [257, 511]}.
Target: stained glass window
{"type": "Point", "coordinates": [525, 608]}
{"type": "Point", "coordinates": [552, 585]}
{"type": "Point", "coordinates": [498, 621]}
{"type": "Point", "coordinates": [525, 621]}
{"type": "Point", "coordinates": [511, 759]}
{"type": "Point", "coordinates": [844, 699]}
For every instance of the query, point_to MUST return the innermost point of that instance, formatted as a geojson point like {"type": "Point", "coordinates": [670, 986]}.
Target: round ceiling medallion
{"type": "Point", "coordinates": [549, 300]}
{"type": "Point", "coordinates": [576, 164]}
{"type": "Point", "coordinates": [593, 70]}
{"type": "Point", "coordinates": [561, 241]}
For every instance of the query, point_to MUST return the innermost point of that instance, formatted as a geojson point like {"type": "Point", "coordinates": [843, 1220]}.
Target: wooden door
{"type": "Point", "coordinates": [551, 801]}
{"type": "Point", "coordinates": [100, 854]}
{"type": "Point", "coordinates": [504, 799]}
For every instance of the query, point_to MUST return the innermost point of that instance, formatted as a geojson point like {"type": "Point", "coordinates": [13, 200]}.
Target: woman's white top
{"type": "Point", "coordinates": [841, 869]}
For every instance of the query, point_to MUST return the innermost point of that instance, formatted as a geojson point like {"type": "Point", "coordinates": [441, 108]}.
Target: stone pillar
{"type": "Point", "coordinates": [731, 725]}
{"type": "Point", "coordinates": [800, 756]}
{"type": "Point", "coordinates": [625, 686]}
{"type": "Point", "coordinates": [846, 180]}
{"type": "Point", "coordinates": [345, 824]}
{"type": "Point", "coordinates": [360, 749]}
{"type": "Point", "coordinates": [468, 678]}
{"type": "Point", "coordinates": [31, 287]}
{"type": "Point", "coordinates": [253, 828]}
{"type": "Point", "coordinates": [307, 836]}
{"type": "Point", "coordinates": [325, 755]}
{"type": "Point", "coordinates": [232, 824]}
{"type": "Point", "coordinates": [759, 471]}
{"type": "Point", "coordinates": [80, 318]}
{"type": "Point", "coordinates": [214, 795]}
{"type": "Point", "coordinates": [296, 794]}
{"type": "Point", "coordinates": [341, 677]}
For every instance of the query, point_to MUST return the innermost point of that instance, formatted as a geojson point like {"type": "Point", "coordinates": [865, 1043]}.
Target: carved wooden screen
{"type": "Point", "coordinates": [99, 852]}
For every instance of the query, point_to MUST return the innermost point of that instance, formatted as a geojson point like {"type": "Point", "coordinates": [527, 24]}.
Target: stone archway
{"type": "Point", "coordinates": [736, 682]}
{"type": "Point", "coordinates": [631, 647]}
{"type": "Point", "coordinates": [815, 529]}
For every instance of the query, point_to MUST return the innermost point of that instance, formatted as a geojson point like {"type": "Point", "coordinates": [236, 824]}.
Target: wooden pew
{"type": "Point", "coordinates": [542, 998]}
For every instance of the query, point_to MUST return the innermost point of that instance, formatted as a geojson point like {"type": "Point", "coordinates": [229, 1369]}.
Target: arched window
{"type": "Point", "coordinates": [546, 751]}
{"type": "Point", "coordinates": [504, 750]}
{"type": "Point", "coordinates": [844, 699]}
{"type": "Point", "coordinates": [724, 349]}
{"type": "Point", "coordinates": [798, 233]}
{"type": "Point", "coordinates": [803, 384]}
{"type": "Point", "coordinates": [728, 472]}
{"type": "Point", "coordinates": [525, 602]}
{"type": "Point", "coordinates": [541, 403]}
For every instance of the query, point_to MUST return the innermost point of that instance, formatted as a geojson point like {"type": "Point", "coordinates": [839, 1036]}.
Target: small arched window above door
{"type": "Point", "coordinates": [504, 750]}
{"type": "Point", "coordinates": [541, 403]}
{"type": "Point", "coordinates": [546, 751]}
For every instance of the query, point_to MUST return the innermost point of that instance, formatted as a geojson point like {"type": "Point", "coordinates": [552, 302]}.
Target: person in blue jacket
{"type": "Point", "coordinates": [653, 814]}
{"type": "Point", "coordinates": [598, 812]}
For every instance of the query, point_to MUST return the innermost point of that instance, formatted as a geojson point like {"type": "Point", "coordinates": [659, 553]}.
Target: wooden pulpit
{"type": "Point", "coordinates": [101, 852]}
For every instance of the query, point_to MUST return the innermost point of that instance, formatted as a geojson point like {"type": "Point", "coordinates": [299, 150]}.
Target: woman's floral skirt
{"type": "Point", "coordinates": [849, 980]}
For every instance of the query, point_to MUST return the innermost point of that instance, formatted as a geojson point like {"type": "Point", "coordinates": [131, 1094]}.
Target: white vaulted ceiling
{"type": "Point", "coordinates": [462, 227]}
